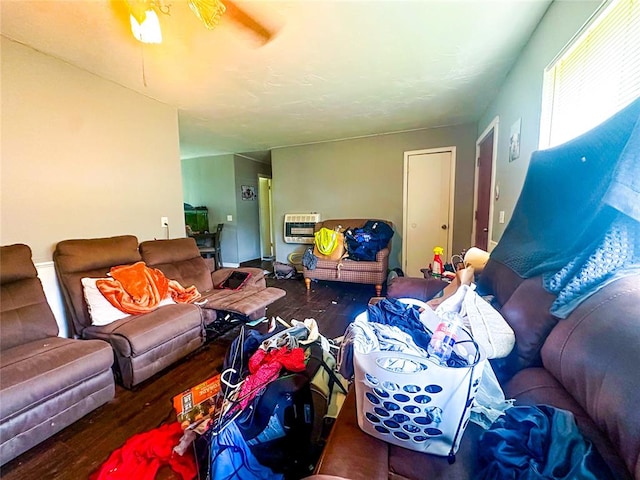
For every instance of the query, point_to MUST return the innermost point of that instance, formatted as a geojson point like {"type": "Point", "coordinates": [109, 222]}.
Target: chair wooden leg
{"type": "Point", "coordinates": [307, 282]}
{"type": "Point", "coordinates": [378, 290]}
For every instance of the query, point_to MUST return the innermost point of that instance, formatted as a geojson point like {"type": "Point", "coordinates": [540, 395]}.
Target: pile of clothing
{"type": "Point", "coordinates": [281, 389]}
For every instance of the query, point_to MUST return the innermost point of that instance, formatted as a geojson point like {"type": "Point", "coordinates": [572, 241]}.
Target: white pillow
{"type": "Point", "coordinates": [100, 310]}
{"type": "Point", "coordinates": [166, 301]}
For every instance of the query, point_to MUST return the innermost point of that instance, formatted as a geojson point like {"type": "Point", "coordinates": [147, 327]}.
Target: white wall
{"type": "Point", "coordinates": [520, 97]}
{"type": "Point", "coordinates": [82, 157]}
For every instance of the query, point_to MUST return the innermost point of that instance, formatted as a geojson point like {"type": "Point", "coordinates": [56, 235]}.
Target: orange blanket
{"type": "Point", "coordinates": [139, 289]}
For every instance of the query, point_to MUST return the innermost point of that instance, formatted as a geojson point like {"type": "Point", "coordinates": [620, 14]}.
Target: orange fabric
{"type": "Point", "coordinates": [181, 294]}
{"type": "Point", "coordinates": [139, 289]}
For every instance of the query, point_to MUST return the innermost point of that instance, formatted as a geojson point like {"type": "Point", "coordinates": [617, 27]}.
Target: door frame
{"type": "Point", "coordinates": [452, 191]}
{"type": "Point", "coordinates": [493, 126]}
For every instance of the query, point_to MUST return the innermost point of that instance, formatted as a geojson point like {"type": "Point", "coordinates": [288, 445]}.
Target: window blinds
{"type": "Point", "coordinates": [595, 76]}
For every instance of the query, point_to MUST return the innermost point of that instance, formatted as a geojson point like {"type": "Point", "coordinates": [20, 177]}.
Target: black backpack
{"type": "Point", "coordinates": [277, 425]}
{"type": "Point", "coordinates": [365, 242]}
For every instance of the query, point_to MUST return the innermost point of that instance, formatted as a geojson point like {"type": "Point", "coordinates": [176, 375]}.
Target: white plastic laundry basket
{"type": "Point", "coordinates": [426, 406]}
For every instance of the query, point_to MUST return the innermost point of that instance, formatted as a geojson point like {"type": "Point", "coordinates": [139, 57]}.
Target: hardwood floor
{"type": "Point", "coordinates": [79, 449]}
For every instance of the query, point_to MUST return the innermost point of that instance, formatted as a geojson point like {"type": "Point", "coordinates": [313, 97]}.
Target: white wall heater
{"type": "Point", "coordinates": [299, 227]}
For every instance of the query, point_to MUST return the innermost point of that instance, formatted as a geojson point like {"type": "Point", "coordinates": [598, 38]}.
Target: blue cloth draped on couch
{"type": "Point", "coordinates": [584, 231]}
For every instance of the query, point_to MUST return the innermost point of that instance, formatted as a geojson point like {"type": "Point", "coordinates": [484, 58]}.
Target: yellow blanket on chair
{"type": "Point", "coordinates": [139, 289]}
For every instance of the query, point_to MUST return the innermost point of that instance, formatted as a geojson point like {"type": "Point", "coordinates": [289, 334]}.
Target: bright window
{"type": "Point", "coordinates": [595, 76]}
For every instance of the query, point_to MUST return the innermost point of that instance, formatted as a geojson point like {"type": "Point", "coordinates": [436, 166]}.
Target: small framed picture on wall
{"type": "Point", "coordinates": [514, 141]}
{"type": "Point", "coordinates": [248, 192]}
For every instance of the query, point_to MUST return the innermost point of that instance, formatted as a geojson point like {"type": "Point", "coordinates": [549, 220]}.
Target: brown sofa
{"type": "Point", "coordinates": [346, 270]}
{"type": "Point", "coordinates": [46, 382]}
{"type": "Point", "coordinates": [145, 344]}
{"type": "Point", "coordinates": [586, 363]}
{"type": "Point", "coordinates": [180, 260]}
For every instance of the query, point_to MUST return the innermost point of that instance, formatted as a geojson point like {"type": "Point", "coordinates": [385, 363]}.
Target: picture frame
{"type": "Point", "coordinates": [514, 140]}
{"type": "Point", "coordinates": [248, 192]}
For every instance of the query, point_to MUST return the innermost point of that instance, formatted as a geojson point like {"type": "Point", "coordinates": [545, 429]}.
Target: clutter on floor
{"type": "Point", "coordinates": [269, 412]}
{"type": "Point", "coordinates": [143, 454]}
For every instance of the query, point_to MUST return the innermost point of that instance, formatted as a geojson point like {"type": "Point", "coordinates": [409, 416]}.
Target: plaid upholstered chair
{"type": "Point", "coordinates": [345, 269]}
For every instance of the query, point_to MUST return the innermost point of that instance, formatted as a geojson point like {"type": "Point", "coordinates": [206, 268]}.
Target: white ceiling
{"type": "Point", "coordinates": [333, 70]}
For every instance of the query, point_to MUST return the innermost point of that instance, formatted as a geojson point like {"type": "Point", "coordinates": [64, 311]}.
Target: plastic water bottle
{"type": "Point", "coordinates": [445, 337]}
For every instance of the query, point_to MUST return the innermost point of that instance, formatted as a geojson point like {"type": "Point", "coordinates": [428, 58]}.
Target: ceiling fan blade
{"type": "Point", "coordinates": [208, 11]}
{"type": "Point", "coordinates": [243, 18]}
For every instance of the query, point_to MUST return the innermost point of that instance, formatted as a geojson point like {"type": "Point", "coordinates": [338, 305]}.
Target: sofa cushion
{"type": "Point", "coordinates": [34, 372]}
{"type": "Point", "coordinates": [527, 313]}
{"type": "Point", "coordinates": [96, 253]}
{"type": "Point", "coordinates": [16, 263]}
{"type": "Point", "coordinates": [594, 354]}
{"type": "Point", "coordinates": [536, 386]}
{"type": "Point", "coordinates": [25, 314]}
{"type": "Point", "coordinates": [256, 280]}
{"type": "Point", "coordinates": [179, 259]}
{"type": "Point", "coordinates": [245, 301]}
{"type": "Point", "coordinates": [137, 334]}
{"type": "Point", "coordinates": [351, 453]}
{"type": "Point", "coordinates": [499, 280]}
{"type": "Point", "coordinates": [75, 259]}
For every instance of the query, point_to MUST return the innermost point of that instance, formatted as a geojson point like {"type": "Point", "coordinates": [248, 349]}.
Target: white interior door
{"type": "Point", "coordinates": [428, 207]}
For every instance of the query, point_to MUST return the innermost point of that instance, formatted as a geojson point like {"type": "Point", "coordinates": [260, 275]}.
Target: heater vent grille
{"type": "Point", "coordinates": [299, 227]}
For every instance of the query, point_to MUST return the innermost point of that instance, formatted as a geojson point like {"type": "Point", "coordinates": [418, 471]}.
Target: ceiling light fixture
{"type": "Point", "coordinates": [145, 25]}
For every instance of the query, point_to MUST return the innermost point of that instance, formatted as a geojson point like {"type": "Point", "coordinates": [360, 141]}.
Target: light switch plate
{"type": "Point", "coordinates": [229, 218]}
{"type": "Point", "coordinates": [501, 216]}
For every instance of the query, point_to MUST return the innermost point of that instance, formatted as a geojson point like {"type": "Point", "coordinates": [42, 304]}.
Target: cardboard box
{"type": "Point", "coordinates": [198, 403]}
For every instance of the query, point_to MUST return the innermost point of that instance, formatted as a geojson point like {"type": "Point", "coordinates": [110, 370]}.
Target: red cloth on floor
{"type": "Point", "coordinates": [265, 367]}
{"type": "Point", "coordinates": [143, 454]}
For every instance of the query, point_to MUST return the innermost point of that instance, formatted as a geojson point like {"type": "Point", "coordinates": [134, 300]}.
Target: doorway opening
{"type": "Point", "coordinates": [484, 186]}
{"type": "Point", "coordinates": [266, 220]}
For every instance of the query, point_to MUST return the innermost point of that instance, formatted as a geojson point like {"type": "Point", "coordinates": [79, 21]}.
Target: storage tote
{"type": "Point", "coordinates": [423, 406]}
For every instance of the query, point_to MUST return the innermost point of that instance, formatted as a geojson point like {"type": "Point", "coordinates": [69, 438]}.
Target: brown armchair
{"type": "Point", "coordinates": [346, 270]}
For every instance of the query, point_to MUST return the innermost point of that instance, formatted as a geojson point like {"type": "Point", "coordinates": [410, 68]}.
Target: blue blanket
{"type": "Point", "coordinates": [538, 442]}
{"type": "Point", "coordinates": [577, 220]}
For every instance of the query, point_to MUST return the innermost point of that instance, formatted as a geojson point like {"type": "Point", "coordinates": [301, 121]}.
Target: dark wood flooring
{"type": "Point", "coordinates": [81, 448]}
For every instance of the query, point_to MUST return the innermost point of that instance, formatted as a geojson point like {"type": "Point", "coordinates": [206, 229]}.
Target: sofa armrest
{"type": "Point", "coordinates": [383, 255]}
{"type": "Point", "coordinates": [423, 289]}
